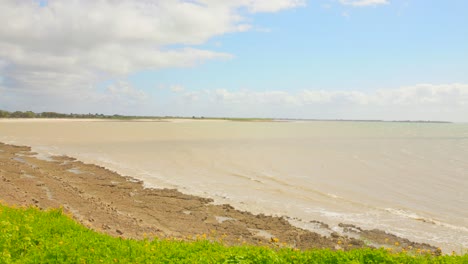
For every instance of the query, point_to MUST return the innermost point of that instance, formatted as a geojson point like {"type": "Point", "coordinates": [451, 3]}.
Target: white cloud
{"type": "Point", "coordinates": [305, 97]}
{"type": "Point", "coordinates": [364, 2]}
{"type": "Point", "coordinates": [256, 6]}
{"type": "Point", "coordinates": [425, 94]}
{"type": "Point", "coordinates": [418, 102]}
{"type": "Point", "coordinates": [251, 97]}
{"type": "Point", "coordinates": [417, 95]}
{"type": "Point", "coordinates": [67, 46]}
{"type": "Point", "coordinates": [119, 97]}
{"type": "Point", "coordinates": [177, 88]}
{"type": "Point", "coordinates": [273, 5]}
{"type": "Point", "coordinates": [125, 92]}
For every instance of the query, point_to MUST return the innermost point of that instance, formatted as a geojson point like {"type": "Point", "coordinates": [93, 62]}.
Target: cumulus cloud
{"type": "Point", "coordinates": [177, 88]}
{"type": "Point", "coordinates": [417, 102]}
{"type": "Point", "coordinates": [364, 2]}
{"type": "Point", "coordinates": [253, 97]}
{"type": "Point", "coordinates": [421, 94]}
{"type": "Point", "coordinates": [272, 5]}
{"type": "Point", "coordinates": [124, 91]}
{"type": "Point", "coordinates": [255, 6]}
{"type": "Point", "coordinates": [67, 46]}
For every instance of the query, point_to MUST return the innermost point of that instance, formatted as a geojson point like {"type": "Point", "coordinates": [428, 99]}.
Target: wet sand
{"type": "Point", "coordinates": [120, 206]}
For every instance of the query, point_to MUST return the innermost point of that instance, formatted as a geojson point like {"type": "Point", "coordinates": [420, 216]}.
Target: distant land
{"type": "Point", "coordinates": [31, 114]}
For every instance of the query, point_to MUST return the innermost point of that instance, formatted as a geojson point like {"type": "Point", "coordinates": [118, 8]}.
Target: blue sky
{"type": "Point", "coordinates": [336, 47]}
{"type": "Point", "coordinates": [350, 59]}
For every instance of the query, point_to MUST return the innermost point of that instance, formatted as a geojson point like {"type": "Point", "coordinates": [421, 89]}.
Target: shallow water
{"type": "Point", "coordinates": [406, 178]}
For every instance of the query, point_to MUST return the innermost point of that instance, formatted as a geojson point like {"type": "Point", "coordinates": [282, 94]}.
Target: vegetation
{"type": "Point", "coordinates": [30, 114]}
{"type": "Point", "coordinates": [29, 235]}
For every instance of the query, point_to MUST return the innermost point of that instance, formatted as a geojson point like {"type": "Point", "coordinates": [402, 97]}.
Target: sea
{"type": "Point", "coordinates": [409, 179]}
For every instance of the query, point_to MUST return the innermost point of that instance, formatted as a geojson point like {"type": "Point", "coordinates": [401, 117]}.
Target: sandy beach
{"type": "Point", "coordinates": [120, 206]}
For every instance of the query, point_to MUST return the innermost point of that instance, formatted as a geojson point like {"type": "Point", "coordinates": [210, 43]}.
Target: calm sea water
{"type": "Point", "coordinates": [410, 179]}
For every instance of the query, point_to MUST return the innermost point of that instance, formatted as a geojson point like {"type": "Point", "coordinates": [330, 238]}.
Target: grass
{"type": "Point", "coordinates": [29, 235]}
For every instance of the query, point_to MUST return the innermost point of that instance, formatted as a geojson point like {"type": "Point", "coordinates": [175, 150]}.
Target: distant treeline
{"type": "Point", "coordinates": [31, 114]}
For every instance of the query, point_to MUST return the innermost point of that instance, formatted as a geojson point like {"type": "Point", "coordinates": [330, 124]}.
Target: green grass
{"type": "Point", "coordinates": [29, 235]}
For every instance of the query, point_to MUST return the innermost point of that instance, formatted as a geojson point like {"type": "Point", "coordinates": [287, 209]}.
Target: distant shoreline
{"type": "Point", "coordinates": [54, 115]}
{"type": "Point", "coordinates": [370, 120]}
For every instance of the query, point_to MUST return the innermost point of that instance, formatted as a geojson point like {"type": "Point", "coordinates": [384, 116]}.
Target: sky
{"type": "Point", "coordinates": [313, 59]}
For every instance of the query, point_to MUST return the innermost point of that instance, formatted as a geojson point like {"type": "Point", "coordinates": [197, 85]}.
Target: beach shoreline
{"type": "Point", "coordinates": [121, 206]}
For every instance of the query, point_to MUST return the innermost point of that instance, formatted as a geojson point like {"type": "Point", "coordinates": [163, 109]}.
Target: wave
{"type": "Point", "coordinates": [428, 220]}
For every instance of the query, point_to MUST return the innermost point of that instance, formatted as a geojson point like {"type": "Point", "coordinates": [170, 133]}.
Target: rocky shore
{"type": "Point", "coordinates": [120, 206]}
